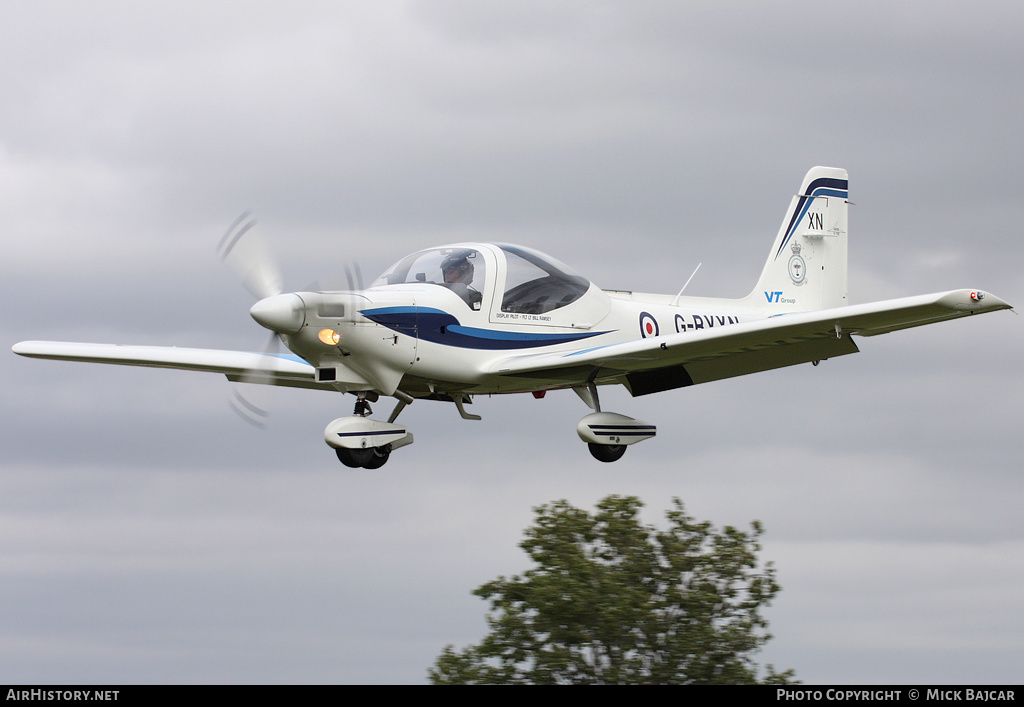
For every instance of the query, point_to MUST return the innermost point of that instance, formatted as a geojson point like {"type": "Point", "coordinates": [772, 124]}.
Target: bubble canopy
{"type": "Point", "coordinates": [427, 266]}
{"type": "Point", "coordinates": [531, 282]}
{"type": "Point", "coordinates": [536, 283]}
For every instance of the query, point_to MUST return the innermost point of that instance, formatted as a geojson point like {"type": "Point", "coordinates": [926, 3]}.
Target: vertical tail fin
{"type": "Point", "coordinates": [806, 268]}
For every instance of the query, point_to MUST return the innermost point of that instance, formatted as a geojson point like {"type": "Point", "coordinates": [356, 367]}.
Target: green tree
{"type": "Point", "coordinates": [613, 601]}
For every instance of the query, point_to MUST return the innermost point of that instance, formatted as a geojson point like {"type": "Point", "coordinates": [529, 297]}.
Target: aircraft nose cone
{"type": "Point", "coordinates": [284, 314]}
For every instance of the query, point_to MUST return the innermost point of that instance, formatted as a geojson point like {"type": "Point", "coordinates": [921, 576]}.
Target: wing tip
{"type": "Point", "coordinates": [27, 348]}
{"type": "Point", "coordinates": [973, 301]}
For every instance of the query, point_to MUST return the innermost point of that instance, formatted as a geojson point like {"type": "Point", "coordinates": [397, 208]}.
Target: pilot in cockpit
{"type": "Point", "coordinates": [458, 276]}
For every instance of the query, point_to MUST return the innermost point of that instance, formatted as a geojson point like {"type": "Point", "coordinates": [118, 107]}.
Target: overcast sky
{"type": "Point", "coordinates": [149, 535]}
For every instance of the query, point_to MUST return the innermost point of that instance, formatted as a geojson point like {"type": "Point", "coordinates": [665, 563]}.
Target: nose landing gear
{"type": "Point", "coordinates": [607, 452]}
{"type": "Point", "coordinates": [362, 443]}
{"type": "Point", "coordinates": [369, 458]}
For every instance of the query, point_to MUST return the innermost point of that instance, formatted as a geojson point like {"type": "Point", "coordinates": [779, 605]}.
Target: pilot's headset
{"type": "Point", "coordinates": [459, 262]}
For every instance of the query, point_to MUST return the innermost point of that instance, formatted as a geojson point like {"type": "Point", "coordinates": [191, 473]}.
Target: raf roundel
{"type": "Point", "coordinates": [648, 325]}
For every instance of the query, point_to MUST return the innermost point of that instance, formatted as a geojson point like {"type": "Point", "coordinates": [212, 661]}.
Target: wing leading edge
{"type": "Point", "coordinates": [663, 363]}
{"type": "Point", "coordinates": [248, 367]}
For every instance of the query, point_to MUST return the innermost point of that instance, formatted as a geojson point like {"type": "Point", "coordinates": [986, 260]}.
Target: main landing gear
{"type": "Point", "coordinates": [362, 443]}
{"type": "Point", "coordinates": [607, 434]}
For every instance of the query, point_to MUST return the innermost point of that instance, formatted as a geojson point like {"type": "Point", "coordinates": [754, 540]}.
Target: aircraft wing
{"type": "Point", "coordinates": [677, 360]}
{"type": "Point", "coordinates": [269, 369]}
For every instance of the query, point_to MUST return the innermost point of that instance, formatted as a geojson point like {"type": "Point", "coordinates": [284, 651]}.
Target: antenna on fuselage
{"type": "Point", "coordinates": [676, 300]}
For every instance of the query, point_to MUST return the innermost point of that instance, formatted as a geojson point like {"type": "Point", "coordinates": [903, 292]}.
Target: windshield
{"type": "Point", "coordinates": [460, 270]}
{"type": "Point", "coordinates": [536, 283]}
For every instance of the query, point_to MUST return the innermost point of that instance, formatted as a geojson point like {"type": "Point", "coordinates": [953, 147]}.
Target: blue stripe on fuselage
{"type": "Point", "coordinates": [440, 327]}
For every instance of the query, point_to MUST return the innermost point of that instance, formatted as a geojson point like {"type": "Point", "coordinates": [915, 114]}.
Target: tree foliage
{"type": "Point", "coordinates": [613, 601]}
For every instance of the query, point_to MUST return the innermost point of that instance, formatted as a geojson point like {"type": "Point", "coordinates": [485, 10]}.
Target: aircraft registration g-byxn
{"type": "Point", "coordinates": [449, 323]}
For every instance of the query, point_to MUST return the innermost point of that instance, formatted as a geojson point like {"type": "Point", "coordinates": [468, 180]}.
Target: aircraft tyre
{"type": "Point", "coordinates": [354, 458]}
{"type": "Point", "coordinates": [379, 457]}
{"type": "Point", "coordinates": [607, 452]}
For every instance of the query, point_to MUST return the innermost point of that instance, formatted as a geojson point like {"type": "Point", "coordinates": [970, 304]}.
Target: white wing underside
{"type": "Point", "coordinates": [238, 366]}
{"type": "Point", "coordinates": [654, 364]}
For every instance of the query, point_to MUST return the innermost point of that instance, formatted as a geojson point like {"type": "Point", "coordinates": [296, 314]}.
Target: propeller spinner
{"type": "Point", "coordinates": [284, 314]}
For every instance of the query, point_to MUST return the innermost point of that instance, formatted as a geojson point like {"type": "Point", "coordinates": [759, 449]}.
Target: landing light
{"type": "Point", "coordinates": [977, 296]}
{"type": "Point", "coordinates": [329, 337]}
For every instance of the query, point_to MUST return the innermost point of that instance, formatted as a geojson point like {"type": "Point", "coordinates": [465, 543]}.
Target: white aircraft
{"type": "Point", "coordinates": [469, 319]}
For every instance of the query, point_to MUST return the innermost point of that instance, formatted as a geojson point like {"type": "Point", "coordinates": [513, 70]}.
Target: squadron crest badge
{"type": "Point", "coordinates": [797, 266]}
